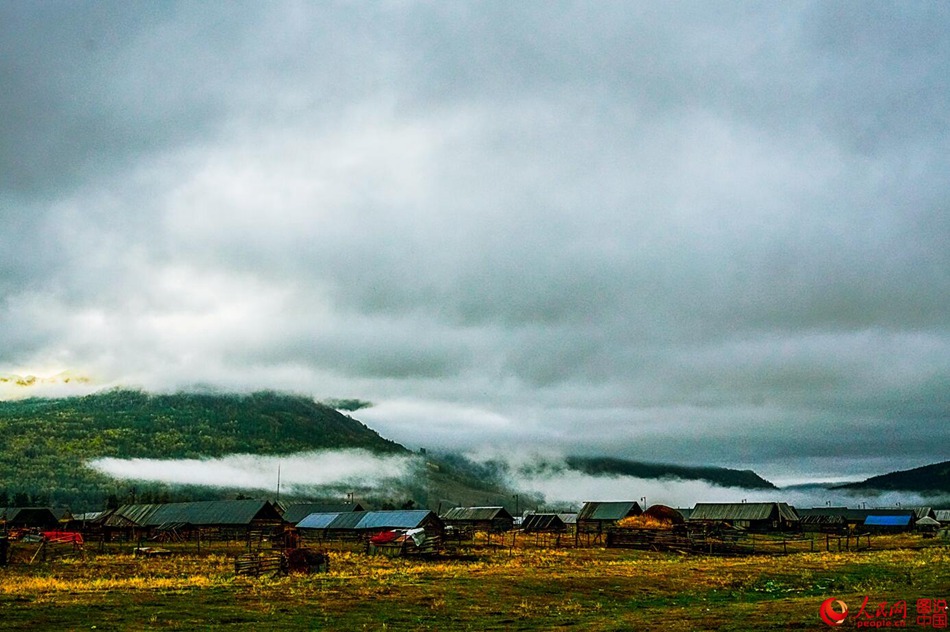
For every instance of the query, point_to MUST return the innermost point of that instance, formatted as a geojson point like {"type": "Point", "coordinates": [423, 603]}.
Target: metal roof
{"type": "Point", "coordinates": [942, 515]}
{"type": "Point", "coordinates": [32, 515]}
{"type": "Point", "coordinates": [131, 515]}
{"type": "Point", "coordinates": [542, 522]}
{"type": "Point", "coordinates": [823, 519]}
{"type": "Point", "coordinates": [820, 511]}
{"type": "Point", "coordinates": [295, 512]}
{"type": "Point", "coordinates": [876, 520]}
{"type": "Point", "coordinates": [743, 511]}
{"type": "Point", "coordinates": [476, 514]}
{"type": "Point", "coordinates": [347, 520]}
{"type": "Point", "coordinates": [214, 512]}
{"type": "Point", "coordinates": [317, 520]}
{"type": "Point", "coordinates": [399, 519]}
{"type": "Point", "coordinates": [857, 515]}
{"type": "Point", "coordinates": [606, 511]}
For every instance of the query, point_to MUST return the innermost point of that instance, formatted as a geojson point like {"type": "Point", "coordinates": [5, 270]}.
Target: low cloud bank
{"type": "Point", "coordinates": [299, 473]}
{"type": "Point", "coordinates": [547, 473]}
{"type": "Point", "coordinates": [543, 474]}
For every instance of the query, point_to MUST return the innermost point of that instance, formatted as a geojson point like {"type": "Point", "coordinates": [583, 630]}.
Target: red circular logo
{"type": "Point", "coordinates": [831, 616]}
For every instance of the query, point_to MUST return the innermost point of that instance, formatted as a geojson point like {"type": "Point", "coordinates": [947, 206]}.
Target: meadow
{"type": "Point", "coordinates": [481, 588]}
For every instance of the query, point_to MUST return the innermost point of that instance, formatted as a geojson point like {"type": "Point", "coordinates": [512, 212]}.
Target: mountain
{"type": "Point", "coordinates": [723, 477]}
{"type": "Point", "coordinates": [46, 442]}
{"type": "Point", "coordinates": [928, 479]}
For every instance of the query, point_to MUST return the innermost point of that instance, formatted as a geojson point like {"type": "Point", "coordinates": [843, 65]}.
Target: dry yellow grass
{"type": "Point", "coordinates": [519, 588]}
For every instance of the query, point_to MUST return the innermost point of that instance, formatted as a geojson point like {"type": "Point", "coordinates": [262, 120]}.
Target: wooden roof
{"type": "Point", "coordinates": [609, 511]}
{"type": "Point", "coordinates": [476, 514]}
{"type": "Point", "coordinates": [213, 512]}
{"type": "Point", "coordinates": [743, 511]}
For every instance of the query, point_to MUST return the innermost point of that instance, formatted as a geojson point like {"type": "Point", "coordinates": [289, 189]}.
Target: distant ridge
{"type": "Point", "coordinates": [721, 476]}
{"type": "Point", "coordinates": [926, 479]}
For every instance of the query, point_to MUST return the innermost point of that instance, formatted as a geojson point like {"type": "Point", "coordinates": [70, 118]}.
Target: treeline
{"type": "Point", "coordinates": [724, 477]}
{"type": "Point", "coordinates": [45, 443]}
{"type": "Point", "coordinates": [933, 478]}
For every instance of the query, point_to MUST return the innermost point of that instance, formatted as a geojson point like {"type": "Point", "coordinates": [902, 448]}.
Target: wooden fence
{"type": "Point", "coordinates": [732, 542]}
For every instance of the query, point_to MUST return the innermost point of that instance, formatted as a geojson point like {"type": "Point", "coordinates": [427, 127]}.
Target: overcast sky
{"type": "Point", "coordinates": [703, 232]}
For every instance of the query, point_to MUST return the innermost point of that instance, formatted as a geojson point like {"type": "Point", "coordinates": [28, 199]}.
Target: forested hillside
{"type": "Point", "coordinates": [45, 442]}
{"type": "Point", "coordinates": [724, 477]}
{"type": "Point", "coordinates": [927, 479]}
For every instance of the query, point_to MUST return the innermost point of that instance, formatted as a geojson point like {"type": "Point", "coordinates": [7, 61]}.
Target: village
{"type": "Point", "coordinates": [258, 530]}
{"type": "Point", "coordinates": [258, 564]}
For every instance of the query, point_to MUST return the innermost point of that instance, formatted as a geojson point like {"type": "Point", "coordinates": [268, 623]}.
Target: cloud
{"type": "Point", "coordinates": [297, 473]}
{"type": "Point", "coordinates": [702, 233]}
{"type": "Point", "coordinates": [546, 473]}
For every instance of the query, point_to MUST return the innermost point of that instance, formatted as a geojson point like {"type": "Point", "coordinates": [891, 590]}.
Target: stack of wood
{"type": "Point", "coordinates": [261, 563]}
{"type": "Point", "coordinates": [300, 560]}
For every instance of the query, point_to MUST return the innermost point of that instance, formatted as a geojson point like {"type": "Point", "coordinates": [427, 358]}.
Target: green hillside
{"type": "Point", "coordinates": [927, 479]}
{"type": "Point", "coordinates": [724, 477]}
{"type": "Point", "coordinates": [45, 442]}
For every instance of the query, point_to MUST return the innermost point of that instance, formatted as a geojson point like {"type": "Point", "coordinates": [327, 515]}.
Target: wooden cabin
{"type": "Point", "coordinates": [765, 516]}
{"type": "Point", "coordinates": [595, 517]}
{"type": "Point", "coordinates": [229, 519]}
{"type": "Point", "coordinates": [485, 519]}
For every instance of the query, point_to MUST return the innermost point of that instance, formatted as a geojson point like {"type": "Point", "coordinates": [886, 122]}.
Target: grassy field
{"type": "Point", "coordinates": [516, 589]}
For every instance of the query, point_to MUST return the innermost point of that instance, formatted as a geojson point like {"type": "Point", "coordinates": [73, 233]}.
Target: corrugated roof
{"type": "Point", "coordinates": [295, 512]}
{"type": "Point", "coordinates": [399, 519]}
{"type": "Point", "coordinates": [859, 515]}
{"type": "Point", "coordinates": [542, 522]}
{"type": "Point", "coordinates": [131, 515]}
{"type": "Point", "coordinates": [820, 511]}
{"type": "Point", "coordinates": [606, 511]}
{"type": "Point", "coordinates": [476, 514]}
{"type": "Point", "coordinates": [823, 519]}
{"type": "Point", "coordinates": [317, 520]}
{"type": "Point", "coordinates": [31, 515]}
{"type": "Point", "coordinates": [347, 520]}
{"type": "Point", "coordinates": [875, 520]}
{"type": "Point", "coordinates": [213, 512]}
{"type": "Point", "coordinates": [743, 511]}
{"type": "Point", "coordinates": [942, 515]}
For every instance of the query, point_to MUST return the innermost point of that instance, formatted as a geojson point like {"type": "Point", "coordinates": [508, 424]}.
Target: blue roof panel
{"type": "Point", "coordinates": [317, 521]}
{"type": "Point", "coordinates": [887, 521]}
{"type": "Point", "coordinates": [405, 519]}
